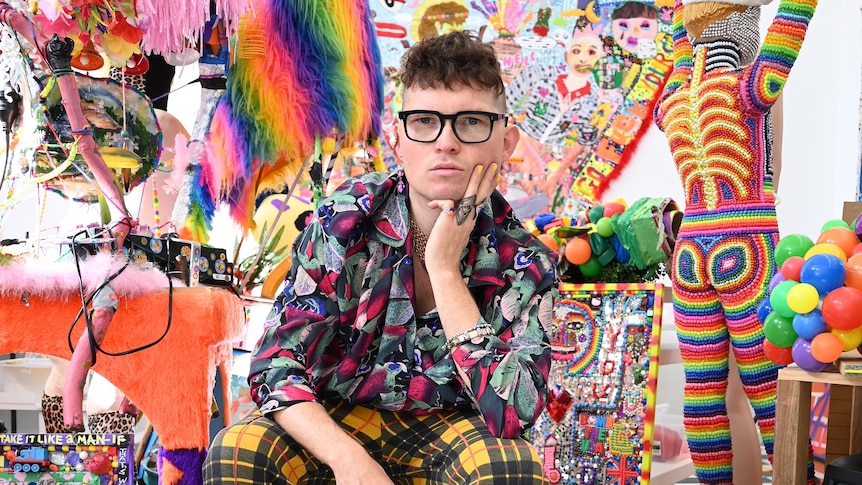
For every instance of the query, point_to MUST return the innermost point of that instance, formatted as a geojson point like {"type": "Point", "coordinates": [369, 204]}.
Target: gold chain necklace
{"type": "Point", "coordinates": [420, 240]}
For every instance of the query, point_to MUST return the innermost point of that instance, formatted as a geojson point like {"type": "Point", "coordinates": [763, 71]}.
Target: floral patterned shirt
{"type": "Point", "coordinates": [344, 326]}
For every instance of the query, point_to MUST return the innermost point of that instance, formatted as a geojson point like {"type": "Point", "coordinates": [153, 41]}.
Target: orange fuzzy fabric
{"type": "Point", "coordinates": [170, 382]}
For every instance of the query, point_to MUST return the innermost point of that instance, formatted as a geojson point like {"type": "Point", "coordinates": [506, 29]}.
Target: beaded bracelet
{"type": "Point", "coordinates": [481, 330]}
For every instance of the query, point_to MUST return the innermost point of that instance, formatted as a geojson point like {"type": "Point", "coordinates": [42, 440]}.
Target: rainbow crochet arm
{"type": "Point", "coordinates": [765, 78]}
{"type": "Point", "coordinates": [682, 51]}
{"type": "Point", "coordinates": [682, 62]}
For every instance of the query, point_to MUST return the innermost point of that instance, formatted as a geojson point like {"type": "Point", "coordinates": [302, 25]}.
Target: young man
{"type": "Point", "coordinates": [408, 345]}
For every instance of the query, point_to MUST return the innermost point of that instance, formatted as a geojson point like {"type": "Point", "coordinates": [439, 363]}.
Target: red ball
{"type": "Point", "coordinates": [842, 308]}
{"type": "Point", "coordinates": [778, 355]}
{"type": "Point", "coordinates": [792, 267]}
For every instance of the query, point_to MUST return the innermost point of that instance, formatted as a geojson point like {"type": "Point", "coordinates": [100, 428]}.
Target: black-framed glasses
{"type": "Point", "coordinates": [425, 126]}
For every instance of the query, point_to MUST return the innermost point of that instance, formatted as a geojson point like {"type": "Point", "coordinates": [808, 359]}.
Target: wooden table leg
{"type": "Point", "coordinates": [856, 421]}
{"type": "Point", "coordinates": [792, 425]}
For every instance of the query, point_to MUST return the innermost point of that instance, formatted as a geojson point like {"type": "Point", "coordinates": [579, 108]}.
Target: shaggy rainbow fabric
{"type": "Point", "coordinates": [715, 116]}
{"type": "Point", "coordinates": [305, 70]}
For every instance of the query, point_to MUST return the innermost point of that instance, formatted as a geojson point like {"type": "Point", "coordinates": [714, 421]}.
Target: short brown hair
{"type": "Point", "coordinates": [456, 59]}
{"type": "Point", "coordinates": [630, 10]}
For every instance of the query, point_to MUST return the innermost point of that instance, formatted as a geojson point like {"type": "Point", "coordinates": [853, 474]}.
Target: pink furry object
{"type": "Point", "coordinates": [181, 160]}
{"type": "Point", "coordinates": [53, 280]}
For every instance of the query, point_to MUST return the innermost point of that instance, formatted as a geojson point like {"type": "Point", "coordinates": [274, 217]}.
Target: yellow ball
{"type": "Point", "coordinates": [826, 248]}
{"type": "Point", "coordinates": [802, 298]}
{"type": "Point", "coordinates": [850, 339]}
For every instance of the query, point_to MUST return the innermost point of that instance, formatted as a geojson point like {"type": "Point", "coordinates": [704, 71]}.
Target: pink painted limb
{"type": "Point", "coordinates": [86, 144]}
{"type": "Point", "coordinates": [128, 407]}
{"type": "Point", "coordinates": [73, 391]}
{"type": "Point", "coordinates": [71, 100]}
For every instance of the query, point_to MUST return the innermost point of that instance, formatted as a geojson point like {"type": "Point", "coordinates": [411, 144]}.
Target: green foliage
{"type": "Point", "coordinates": [270, 258]}
{"type": "Point", "coordinates": [613, 272]}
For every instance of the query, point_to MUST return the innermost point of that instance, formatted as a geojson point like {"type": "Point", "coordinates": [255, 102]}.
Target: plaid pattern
{"type": "Point", "coordinates": [440, 448]}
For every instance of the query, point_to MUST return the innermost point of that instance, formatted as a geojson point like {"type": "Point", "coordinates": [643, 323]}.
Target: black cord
{"type": "Point", "coordinates": [85, 302]}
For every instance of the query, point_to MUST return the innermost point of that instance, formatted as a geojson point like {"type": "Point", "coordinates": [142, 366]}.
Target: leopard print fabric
{"type": "Point", "coordinates": [52, 414]}
{"type": "Point", "coordinates": [111, 422]}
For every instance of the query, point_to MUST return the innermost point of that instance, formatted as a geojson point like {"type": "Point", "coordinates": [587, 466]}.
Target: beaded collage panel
{"type": "Point", "coordinates": [597, 426]}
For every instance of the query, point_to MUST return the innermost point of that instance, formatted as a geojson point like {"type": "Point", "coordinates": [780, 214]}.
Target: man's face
{"type": "Point", "coordinates": [630, 32]}
{"type": "Point", "coordinates": [440, 170]}
{"type": "Point", "coordinates": [583, 52]}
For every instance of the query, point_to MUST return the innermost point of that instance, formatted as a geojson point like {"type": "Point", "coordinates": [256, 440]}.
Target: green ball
{"type": "Point", "coordinates": [778, 299]}
{"type": "Point", "coordinates": [779, 330]}
{"type": "Point", "coordinates": [591, 268]}
{"type": "Point", "coordinates": [792, 245]}
{"type": "Point", "coordinates": [834, 223]}
{"type": "Point", "coordinates": [604, 227]}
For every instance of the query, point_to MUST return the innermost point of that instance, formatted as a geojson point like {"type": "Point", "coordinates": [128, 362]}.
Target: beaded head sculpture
{"type": "Point", "coordinates": [728, 21]}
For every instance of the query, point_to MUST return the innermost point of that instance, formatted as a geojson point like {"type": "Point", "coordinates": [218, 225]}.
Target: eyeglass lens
{"type": "Point", "coordinates": [468, 127]}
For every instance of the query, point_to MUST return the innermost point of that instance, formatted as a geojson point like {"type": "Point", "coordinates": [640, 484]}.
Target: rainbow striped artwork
{"type": "Point", "coordinates": [597, 427]}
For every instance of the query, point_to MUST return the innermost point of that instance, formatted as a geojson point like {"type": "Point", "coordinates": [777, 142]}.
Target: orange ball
{"type": "Point", "coordinates": [578, 251]}
{"type": "Point", "coordinates": [826, 347]}
{"type": "Point", "coordinates": [549, 241]}
{"type": "Point", "coordinates": [840, 236]}
{"type": "Point", "coordinates": [853, 272]}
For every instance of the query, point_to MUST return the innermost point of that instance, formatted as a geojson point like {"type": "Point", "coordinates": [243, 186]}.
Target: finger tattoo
{"type": "Point", "coordinates": [465, 207]}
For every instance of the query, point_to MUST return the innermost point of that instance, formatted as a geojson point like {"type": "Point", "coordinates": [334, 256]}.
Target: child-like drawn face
{"type": "Point", "coordinates": [583, 52]}
{"type": "Point", "coordinates": [629, 32]}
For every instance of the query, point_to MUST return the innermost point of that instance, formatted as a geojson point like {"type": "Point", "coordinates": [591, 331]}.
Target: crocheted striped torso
{"type": "Point", "coordinates": [716, 121]}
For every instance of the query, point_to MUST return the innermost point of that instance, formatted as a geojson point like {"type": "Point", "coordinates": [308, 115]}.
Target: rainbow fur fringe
{"type": "Point", "coordinates": [305, 70]}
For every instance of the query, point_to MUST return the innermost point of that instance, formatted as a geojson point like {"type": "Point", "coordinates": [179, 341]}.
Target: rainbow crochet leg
{"type": "Point", "coordinates": [704, 344]}
{"type": "Point", "coordinates": [718, 283]}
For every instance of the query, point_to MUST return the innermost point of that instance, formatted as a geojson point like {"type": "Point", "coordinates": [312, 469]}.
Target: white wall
{"type": "Point", "coordinates": [821, 146]}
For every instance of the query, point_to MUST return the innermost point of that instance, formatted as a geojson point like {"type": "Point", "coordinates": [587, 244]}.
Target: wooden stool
{"type": "Point", "coordinates": [793, 421]}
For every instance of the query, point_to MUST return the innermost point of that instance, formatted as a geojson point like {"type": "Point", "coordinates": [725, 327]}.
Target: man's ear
{"type": "Point", "coordinates": [510, 140]}
{"type": "Point", "coordinates": [394, 138]}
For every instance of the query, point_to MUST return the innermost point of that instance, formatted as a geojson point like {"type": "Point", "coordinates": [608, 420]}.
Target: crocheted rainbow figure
{"type": "Point", "coordinates": [715, 116]}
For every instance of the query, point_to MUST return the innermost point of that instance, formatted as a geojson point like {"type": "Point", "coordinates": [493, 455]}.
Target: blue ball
{"type": "Point", "coordinates": [809, 325]}
{"type": "Point", "coordinates": [823, 271]}
{"type": "Point", "coordinates": [763, 310]}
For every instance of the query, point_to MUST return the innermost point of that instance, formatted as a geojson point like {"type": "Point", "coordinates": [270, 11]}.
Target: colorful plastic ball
{"type": "Point", "coordinates": [763, 310]}
{"type": "Point", "coordinates": [778, 355]}
{"type": "Point", "coordinates": [591, 268]}
{"type": "Point", "coordinates": [842, 237]}
{"type": "Point", "coordinates": [549, 241]}
{"type": "Point", "coordinates": [850, 339]}
{"type": "Point", "coordinates": [778, 299]}
{"type": "Point", "coordinates": [792, 245]}
{"type": "Point", "coordinates": [856, 250]}
{"type": "Point", "coordinates": [826, 347]}
{"type": "Point", "coordinates": [612, 208]}
{"type": "Point", "coordinates": [604, 227]}
{"type": "Point", "coordinates": [834, 223]}
{"type": "Point", "coordinates": [824, 272]}
{"type": "Point", "coordinates": [791, 267]}
{"type": "Point", "coordinates": [826, 248]}
{"type": "Point", "coordinates": [809, 325]}
{"type": "Point", "coordinates": [802, 356]}
{"type": "Point", "coordinates": [775, 280]}
{"type": "Point", "coordinates": [842, 308]}
{"type": "Point", "coordinates": [857, 226]}
{"type": "Point", "coordinates": [578, 250]}
{"type": "Point", "coordinates": [802, 298]}
{"type": "Point", "coordinates": [779, 330]}
{"type": "Point", "coordinates": [853, 267]}
{"type": "Point", "coordinates": [596, 213]}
